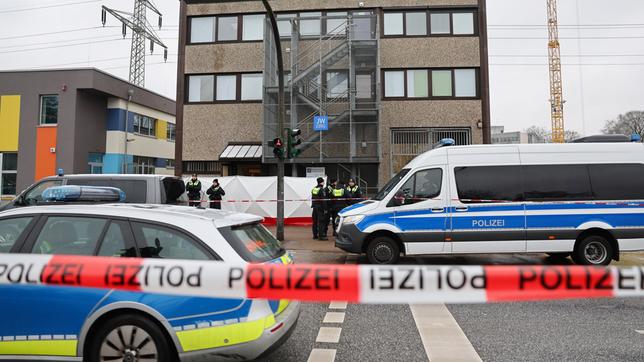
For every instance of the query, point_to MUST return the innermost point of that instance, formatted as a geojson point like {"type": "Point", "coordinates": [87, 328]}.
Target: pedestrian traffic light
{"type": "Point", "coordinates": [278, 148]}
{"type": "Point", "coordinates": [294, 140]}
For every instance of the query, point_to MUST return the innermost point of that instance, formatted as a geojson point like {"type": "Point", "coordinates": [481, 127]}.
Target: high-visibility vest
{"type": "Point", "coordinates": [353, 189]}
{"type": "Point", "coordinates": [316, 191]}
{"type": "Point", "coordinates": [338, 192]}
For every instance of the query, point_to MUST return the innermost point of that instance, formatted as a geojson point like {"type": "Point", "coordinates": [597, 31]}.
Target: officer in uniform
{"type": "Point", "coordinates": [337, 203]}
{"type": "Point", "coordinates": [353, 193]}
{"type": "Point", "coordinates": [193, 188]}
{"type": "Point", "coordinates": [318, 204]}
{"type": "Point", "coordinates": [215, 193]}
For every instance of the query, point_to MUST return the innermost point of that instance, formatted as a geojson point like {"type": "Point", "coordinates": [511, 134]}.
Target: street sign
{"type": "Point", "coordinates": [315, 172]}
{"type": "Point", "coordinates": [321, 123]}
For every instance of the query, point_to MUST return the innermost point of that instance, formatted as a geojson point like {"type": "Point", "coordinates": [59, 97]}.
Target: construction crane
{"type": "Point", "coordinates": [141, 29]}
{"type": "Point", "coordinates": [554, 62]}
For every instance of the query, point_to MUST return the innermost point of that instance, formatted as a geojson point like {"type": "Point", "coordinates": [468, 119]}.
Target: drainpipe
{"type": "Point", "coordinates": [130, 92]}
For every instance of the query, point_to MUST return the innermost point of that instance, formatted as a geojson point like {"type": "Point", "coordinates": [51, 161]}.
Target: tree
{"type": "Point", "coordinates": [541, 133]}
{"type": "Point", "coordinates": [627, 124]}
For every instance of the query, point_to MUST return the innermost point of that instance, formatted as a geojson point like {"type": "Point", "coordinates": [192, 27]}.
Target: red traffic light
{"type": "Point", "coordinates": [278, 143]}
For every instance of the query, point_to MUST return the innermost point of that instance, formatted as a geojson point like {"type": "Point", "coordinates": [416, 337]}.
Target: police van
{"type": "Point", "coordinates": [66, 323]}
{"type": "Point", "coordinates": [584, 200]}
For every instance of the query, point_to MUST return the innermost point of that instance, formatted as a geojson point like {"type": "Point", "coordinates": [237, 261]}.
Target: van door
{"type": "Point", "coordinates": [421, 211]}
{"type": "Point", "coordinates": [487, 208]}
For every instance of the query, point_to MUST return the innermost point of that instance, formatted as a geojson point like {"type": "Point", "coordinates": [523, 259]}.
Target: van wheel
{"type": "Point", "coordinates": [593, 250]}
{"type": "Point", "coordinates": [130, 337]}
{"type": "Point", "coordinates": [383, 250]}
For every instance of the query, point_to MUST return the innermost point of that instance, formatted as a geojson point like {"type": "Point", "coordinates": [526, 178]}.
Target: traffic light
{"type": "Point", "coordinates": [278, 148]}
{"type": "Point", "coordinates": [294, 140]}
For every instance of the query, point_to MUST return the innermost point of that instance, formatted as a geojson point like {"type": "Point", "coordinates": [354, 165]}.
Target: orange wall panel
{"type": "Point", "coordinates": [45, 159]}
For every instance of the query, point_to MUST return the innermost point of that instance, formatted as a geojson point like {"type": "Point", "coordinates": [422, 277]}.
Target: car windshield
{"type": "Point", "coordinates": [391, 184]}
{"type": "Point", "coordinates": [253, 242]}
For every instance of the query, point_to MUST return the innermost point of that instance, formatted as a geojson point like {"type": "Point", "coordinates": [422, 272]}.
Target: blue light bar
{"type": "Point", "coordinates": [444, 143]}
{"type": "Point", "coordinates": [83, 194]}
{"type": "Point", "coordinates": [636, 137]}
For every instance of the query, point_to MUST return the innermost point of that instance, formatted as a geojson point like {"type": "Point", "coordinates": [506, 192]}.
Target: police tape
{"type": "Point", "coordinates": [321, 283]}
{"type": "Point", "coordinates": [269, 200]}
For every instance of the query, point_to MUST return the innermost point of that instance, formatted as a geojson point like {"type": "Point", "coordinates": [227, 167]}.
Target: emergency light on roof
{"type": "Point", "coordinates": [83, 194]}
{"type": "Point", "coordinates": [444, 143]}
{"type": "Point", "coordinates": [636, 138]}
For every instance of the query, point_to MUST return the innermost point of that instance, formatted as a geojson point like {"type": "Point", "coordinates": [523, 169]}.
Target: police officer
{"type": "Point", "coordinates": [318, 204]}
{"type": "Point", "coordinates": [338, 203]}
{"type": "Point", "coordinates": [353, 192]}
{"type": "Point", "coordinates": [193, 188]}
{"type": "Point", "coordinates": [215, 193]}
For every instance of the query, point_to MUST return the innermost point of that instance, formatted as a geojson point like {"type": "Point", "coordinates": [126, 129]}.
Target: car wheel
{"type": "Point", "coordinates": [131, 338]}
{"type": "Point", "coordinates": [593, 250]}
{"type": "Point", "coordinates": [383, 250]}
{"type": "Point", "coordinates": [559, 255]}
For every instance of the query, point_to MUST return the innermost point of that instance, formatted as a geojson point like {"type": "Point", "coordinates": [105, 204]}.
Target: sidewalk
{"type": "Point", "coordinates": [301, 238]}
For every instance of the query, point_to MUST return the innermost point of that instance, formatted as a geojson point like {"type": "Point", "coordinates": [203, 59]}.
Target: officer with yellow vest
{"type": "Point", "coordinates": [319, 215]}
{"type": "Point", "coordinates": [338, 203]}
{"type": "Point", "coordinates": [353, 192]}
{"type": "Point", "coordinates": [193, 188]}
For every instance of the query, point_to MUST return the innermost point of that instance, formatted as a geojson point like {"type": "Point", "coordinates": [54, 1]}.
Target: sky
{"type": "Point", "coordinates": [602, 46]}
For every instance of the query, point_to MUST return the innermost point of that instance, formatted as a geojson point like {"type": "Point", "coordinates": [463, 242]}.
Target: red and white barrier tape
{"type": "Point", "coordinates": [275, 200]}
{"type": "Point", "coordinates": [321, 283]}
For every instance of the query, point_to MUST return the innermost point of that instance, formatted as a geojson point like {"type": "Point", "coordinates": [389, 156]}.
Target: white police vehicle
{"type": "Point", "coordinates": [64, 323]}
{"type": "Point", "coordinates": [580, 199]}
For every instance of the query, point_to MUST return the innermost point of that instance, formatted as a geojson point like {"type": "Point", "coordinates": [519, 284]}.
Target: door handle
{"type": "Point", "coordinates": [438, 209]}
{"type": "Point", "coordinates": [461, 208]}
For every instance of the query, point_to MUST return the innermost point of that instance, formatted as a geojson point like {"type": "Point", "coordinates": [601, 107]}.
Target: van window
{"type": "Point", "coordinates": [423, 185]}
{"type": "Point", "coordinates": [10, 231]}
{"type": "Point", "coordinates": [556, 183]}
{"type": "Point", "coordinates": [254, 243]}
{"type": "Point", "coordinates": [391, 184]}
{"type": "Point", "coordinates": [174, 191]}
{"type": "Point", "coordinates": [617, 182]}
{"type": "Point", "coordinates": [488, 184]}
{"type": "Point", "coordinates": [135, 190]}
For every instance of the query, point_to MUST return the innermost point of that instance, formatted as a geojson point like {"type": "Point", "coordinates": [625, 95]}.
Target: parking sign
{"type": "Point", "coordinates": [321, 123]}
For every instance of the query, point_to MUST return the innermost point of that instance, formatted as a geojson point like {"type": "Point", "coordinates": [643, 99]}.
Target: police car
{"type": "Point", "coordinates": [63, 323]}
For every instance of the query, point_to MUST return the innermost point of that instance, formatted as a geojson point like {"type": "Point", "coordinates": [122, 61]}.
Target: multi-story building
{"type": "Point", "coordinates": [384, 79]}
{"type": "Point", "coordinates": [499, 136]}
{"type": "Point", "coordinates": [75, 120]}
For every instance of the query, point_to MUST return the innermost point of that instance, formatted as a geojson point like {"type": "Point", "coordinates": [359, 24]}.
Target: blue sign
{"type": "Point", "coordinates": [321, 123]}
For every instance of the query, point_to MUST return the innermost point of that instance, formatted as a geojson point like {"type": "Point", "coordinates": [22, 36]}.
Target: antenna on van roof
{"type": "Point", "coordinates": [444, 143]}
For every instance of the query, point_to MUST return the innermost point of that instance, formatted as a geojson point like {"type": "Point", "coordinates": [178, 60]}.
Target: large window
{"type": "Point", "coordinates": [144, 125]}
{"type": "Point", "coordinates": [617, 182]}
{"type": "Point", "coordinates": [227, 28]}
{"type": "Point", "coordinates": [9, 171]}
{"type": "Point", "coordinates": [253, 27]}
{"type": "Point", "coordinates": [143, 165]}
{"type": "Point", "coordinates": [49, 109]}
{"type": "Point", "coordinates": [489, 184]}
{"type": "Point", "coordinates": [429, 23]}
{"type": "Point", "coordinates": [422, 186]}
{"type": "Point", "coordinates": [171, 132]}
{"type": "Point", "coordinates": [310, 24]}
{"type": "Point", "coordinates": [203, 29]}
{"type": "Point", "coordinates": [241, 87]}
{"type": "Point", "coordinates": [556, 183]}
{"type": "Point", "coordinates": [431, 83]}
{"type": "Point", "coordinates": [230, 28]}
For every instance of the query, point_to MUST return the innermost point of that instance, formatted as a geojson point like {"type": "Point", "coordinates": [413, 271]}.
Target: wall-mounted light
{"type": "Point", "coordinates": [361, 4]}
{"type": "Point", "coordinates": [479, 124]}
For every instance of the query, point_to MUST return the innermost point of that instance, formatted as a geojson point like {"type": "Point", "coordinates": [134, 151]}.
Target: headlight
{"type": "Point", "coordinates": [353, 219]}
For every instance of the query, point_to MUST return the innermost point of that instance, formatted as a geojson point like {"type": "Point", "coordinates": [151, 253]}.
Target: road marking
{"type": "Point", "coordinates": [328, 335]}
{"type": "Point", "coordinates": [322, 355]}
{"type": "Point", "coordinates": [442, 338]}
{"type": "Point", "coordinates": [639, 331]}
{"type": "Point", "coordinates": [338, 305]}
{"type": "Point", "coordinates": [333, 317]}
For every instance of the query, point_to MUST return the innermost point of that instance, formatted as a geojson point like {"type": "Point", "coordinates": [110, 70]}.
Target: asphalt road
{"type": "Point", "coordinates": [580, 330]}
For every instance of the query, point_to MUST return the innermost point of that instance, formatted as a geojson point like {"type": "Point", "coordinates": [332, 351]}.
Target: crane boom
{"type": "Point", "coordinates": [554, 62]}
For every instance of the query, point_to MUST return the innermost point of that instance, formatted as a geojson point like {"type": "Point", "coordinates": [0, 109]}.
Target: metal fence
{"type": "Point", "coordinates": [408, 143]}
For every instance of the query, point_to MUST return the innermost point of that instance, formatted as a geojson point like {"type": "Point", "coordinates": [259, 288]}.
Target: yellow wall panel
{"type": "Point", "coordinates": [162, 129]}
{"type": "Point", "coordinates": [9, 123]}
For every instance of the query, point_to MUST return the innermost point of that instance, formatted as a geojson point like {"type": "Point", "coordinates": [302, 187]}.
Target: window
{"type": "Point", "coordinates": [9, 172]}
{"type": "Point", "coordinates": [394, 83]}
{"type": "Point", "coordinates": [487, 184]}
{"type": "Point", "coordinates": [49, 109]}
{"type": "Point", "coordinates": [226, 87]}
{"type": "Point", "coordinates": [252, 87]}
{"type": "Point", "coordinates": [556, 183]}
{"type": "Point", "coordinates": [157, 241]}
{"type": "Point", "coordinates": [440, 23]}
{"type": "Point", "coordinates": [393, 24]}
{"type": "Point", "coordinates": [69, 235]}
{"type": "Point", "coordinates": [284, 25]}
{"type": "Point", "coordinates": [391, 184]}
{"type": "Point", "coordinates": [442, 83]}
{"type": "Point", "coordinates": [169, 163]}
{"type": "Point", "coordinates": [227, 28]}
{"type": "Point", "coordinates": [423, 185]}
{"type": "Point", "coordinates": [336, 23]}
{"type": "Point", "coordinates": [253, 242]}
{"type": "Point", "coordinates": [143, 165]}
{"type": "Point", "coordinates": [416, 23]}
{"type": "Point", "coordinates": [201, 88]}
{"type": "Point", "coordinates": [253, 27]}
{"type": "Point", "coordinates": [203, 29]}
{"type": "Point", "coordinates": [171, 132]}
{"type": "Point", "coordinates": [465, 82]}
{"type": "Point", "coordinates": [113, 243]}
{"type": "Point", "coordinates": [10, 231]}
{"type": "Point", "coordinates": [144, 125]}
{"type": "Point", "coordinates": [417, 83]}
{"type": "Point", "coordinates": [312, 25]}
{"type": "Point", "coordinates": [617, 182]}
{"type": "Point", "coordinates": [337, 84]}
{"type": "Point", "coordinates": [463, 23]}
{"type": "Point", "coordinates": [34, 195]}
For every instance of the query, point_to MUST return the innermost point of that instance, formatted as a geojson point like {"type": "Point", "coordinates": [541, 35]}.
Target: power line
{"type": "Point", "coordinates": [68, 45]}
{"type": "Point", "coordinates": [86, 61]}
{"type": "Point", "coordinates": [15, 10]}
{"type": "Point", "coordinates": [56, 32]}
{"type": "Point", "coordinates": [568, 64]}
{"type": "Point", "coordinates": [569, 37]}
{"type": "Point", "coordinates": [567, 26]}
{"type": "Point", "coordinates": [564, 55]}
{"type": "Point", "coordinates": [58, 41]}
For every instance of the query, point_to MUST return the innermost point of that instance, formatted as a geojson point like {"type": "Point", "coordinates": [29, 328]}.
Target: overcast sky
{"type": "Point", "coordinates": [602, 45]}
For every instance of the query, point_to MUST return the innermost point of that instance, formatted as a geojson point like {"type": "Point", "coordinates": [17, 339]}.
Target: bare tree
{"type": "Point", "coordinates": [546, 135]}
{"type": "Point", "coordinates": [628, 124]}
